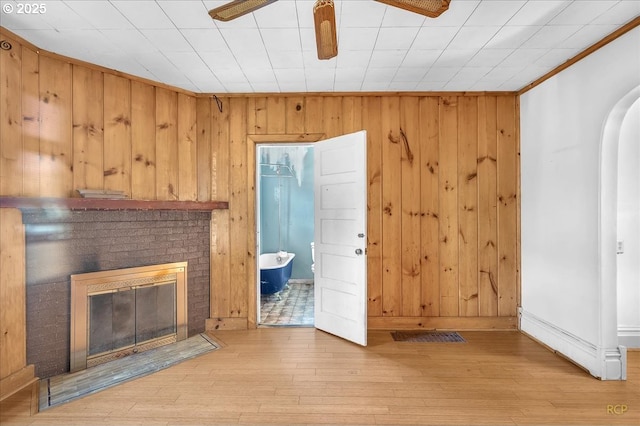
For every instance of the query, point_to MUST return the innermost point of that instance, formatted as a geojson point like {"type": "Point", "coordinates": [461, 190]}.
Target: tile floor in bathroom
{"type": "Point", "coordinates": [293, 306]}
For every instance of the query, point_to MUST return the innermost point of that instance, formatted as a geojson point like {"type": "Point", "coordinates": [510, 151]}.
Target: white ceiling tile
{"type": "Point", "coordinates": [538, 12]}
{"type": "Point", "coordinates": [396, 17]}
{"type": "Point", "coordinates": [471, 74]}
{"type": "Point", "coordinates": [295, 75]}
{"type": "Point", "coordinates": [355, 75]}
{"type": "Point", "coordinates": [621, 13]}
{"type": "Point", "coordinates": [523, 57]}
{"type": "Point", "coordinates": [489, 57]}
{"type": "Point", "coordinates": [190, 62]}
{"type": "Point", "coordinates": [238, 87]}
{"type": "Point", "coordinates": [555, 57]}
{"type": "Point", "coordinates": [211, 86]}
{"type": "Point", "coordinates": [395, 38]}
{"type": "Point", "coordinates": [223, 59]}
{"type": "Point", "coordinates": [587, 36]}
{"type": "Point", "coordinates": [406, 74]}
{"type": "Point", "coordinates": [130, 41]}
{"type": "Point", "coordinates": [434, 37]}
{"type": "Point", "coordinates": [459, 86]}
{"type": "Point", "coordinates": [281, 14]}
{"type": "Point", "coordinates": [167, 40]}
{"type": "Point", "coordinates": [428, 86]}
{"type": "Point", "coordinates": [159, 65]}
{"type": "Point", "coordinates": [265, 87]}
{"type": "Point", "coordinates": [258, 75]}
{"type": "Point", "coordinates": [362, 14]}
{"type": "Point", "coordinates": [58, 16]}
{"type": "Point", "coordinates": [421, 58]}
{"type": "Point", "coordinates": [305, 13]}
{"type": "Point", "coordinates": [380, 74]}
{"type": "Point", "coordinates": [281, 39]}
{"type": "Point", "coordinates": [387, 58]}
{"type": "Point", "coordinates": [253, 59]}
{"type": "Point", "coordinates": [143, 13]}
{"type": "Point", "coordinates": [403, 86]}
{"type": "Point", "coordinates": [579, 12]}
{"type": "Point", "coordinates": [357, 38]}
{"type": "Point", "coordinates": [456, 16]}
{"type": "Point", "coordinates": [101, 14]}
{"type": "Point", "coordinates": [494, 13]}
{"type": "Point", "coordinates": [187, 13]}
{"type": "Point", "coordinates": [205, 40]}
{"type": "Point", "coordinates": [550, 36]}
{"type": "Point", "coordinates": [470, 37]}
{"type": "Point", "coordinates": [512, 36]}
{"type": "Point", "coordinates": [243, 40]}
{"type": "Point", "coordinates": [311, 61]}
{"type": "Point", "coordinates": [353, 58]}
{"type": "Point", "coordinates": [286, 58]}
{"type": "Point", "coordinates": [460, 57]}
{"type": "Point", "coordinates": [346, 86]}
{"type": "Point", "coordinates": [308, 39]}
{"type": "Point", "coordinates": [290, 87]}
{"type": "Point", "coordinates": [443, 74]}
{"type": "Point", "coordinates": [375, 86]}
{"type": "Point", "coordinates": [500, 74]}
{"type": "Point", "coordinates": [229, 76]}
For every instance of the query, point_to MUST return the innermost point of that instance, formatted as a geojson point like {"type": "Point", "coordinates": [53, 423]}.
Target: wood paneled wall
{"type": "Point", "coordinates": [67, 126]}
{"type": "Point", "coordinates": [443, 201]}
{"type": "Point", "coordinates": [443, 177]}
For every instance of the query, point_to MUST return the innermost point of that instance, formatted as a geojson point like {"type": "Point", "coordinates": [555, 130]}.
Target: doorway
{"type": "Point", "coordinates": [285, 232]}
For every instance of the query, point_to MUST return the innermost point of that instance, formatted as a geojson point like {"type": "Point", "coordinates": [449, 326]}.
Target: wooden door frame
{"type": "Point", "coordinates": [253, 141]}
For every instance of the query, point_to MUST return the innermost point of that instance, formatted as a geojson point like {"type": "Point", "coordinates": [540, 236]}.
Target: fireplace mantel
{"type": "Point", "coordinates": [35, 203]}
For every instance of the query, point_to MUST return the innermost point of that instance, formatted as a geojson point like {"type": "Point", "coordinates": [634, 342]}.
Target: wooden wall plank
{"type": "Point", "coordinates": [203, 141]}
{"type": "Point", "coordinates": [259, 115]}
{"type": "Point", "coordinates": [187, 148]}
{"type": "Point", "coordinates": [448, 194]}
{"type": "Point", "coordinates": [220, 276]}
{"type": "Point", "coordinates": [429, 205]}
{"type": "Point", "coordinates": [294, 120]}
{"type": "Point", "coordinates": [220, 152]}
{"type": "Point", "coordinates": [276, 115]}
{"type": "Point", "coordinates": [166, 145]}
{"type": "Point", "coordinates": [352, 114]}
{"type": "Point", "coordinates": [507, 206]}
{"type": "Point", "coordinates": [13, 350]}
{"type": "Point", "coordinates": [56, 149]}
{"type": "Point", "coordinates": [31, 122]}
{"type": "Point", "coordinates": [117, 134]}
{"type": "Point", "coordinates": [313, 114]}
{"type": "Point", "coordinates": [332, 116]}
{"type": "Point", "coordinates": [11, 148]}
{"type": "Point", "coordinates": [468, 205]}
{"type": "Point", "coordinates": [238, 205]}
{"type": "Point", "coordinates": [487, 208]}
{"type": "Point", "coordinates": [372, 123]}
{"type": "Point", "coordinates": [88, 128]}
{"type": "Point", "coordinates": [410, 211]}
{"type": "Point", "coordinates": [391, 207]}
{"type": "Point", "coordinates": [143, 141]}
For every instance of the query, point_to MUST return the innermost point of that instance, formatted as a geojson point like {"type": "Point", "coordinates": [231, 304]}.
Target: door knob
{"type": "Point", "coordinates": [358, 251]}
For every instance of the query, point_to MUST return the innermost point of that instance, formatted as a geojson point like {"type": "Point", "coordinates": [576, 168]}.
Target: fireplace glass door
{"type": "Point", "coordinates": [126, 318]}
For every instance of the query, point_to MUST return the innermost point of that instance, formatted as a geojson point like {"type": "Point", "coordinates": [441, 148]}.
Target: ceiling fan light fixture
{"type": "Point", "coordinates": [429, 8]}
{"type": "Point", "coordinates": [324, 18]}
{"type": "Point", "coordinates": [237, 8]}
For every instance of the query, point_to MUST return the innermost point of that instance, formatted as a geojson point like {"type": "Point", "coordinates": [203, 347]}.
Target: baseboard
{"type": "Point", "coordinates": [629, 337]}
{"type": "Point", "coordinates": [603, 363]}
{"type": "Point", "coordinates": [442, 323]}
{"type": "Point", "coordinates": [230, 323]}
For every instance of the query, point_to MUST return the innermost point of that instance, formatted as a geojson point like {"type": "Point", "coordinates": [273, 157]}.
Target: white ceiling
{"type": "Point", "coordinates": [477, 45]}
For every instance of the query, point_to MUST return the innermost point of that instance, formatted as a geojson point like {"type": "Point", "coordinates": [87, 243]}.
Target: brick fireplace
{"type": "Point", "coordinates": [60, 243]}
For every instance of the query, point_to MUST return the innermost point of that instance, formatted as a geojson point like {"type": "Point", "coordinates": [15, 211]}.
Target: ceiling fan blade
{"type": "Point", "coordinates": [237, 8]}
{"type": "Point", "coordinates": [324, 18]}
{"type": "Point", "coordinates": [430, 8]}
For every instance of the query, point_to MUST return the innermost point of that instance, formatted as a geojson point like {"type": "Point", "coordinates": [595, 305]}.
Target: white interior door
{"type": "Point", "coordinates": [340, 279]}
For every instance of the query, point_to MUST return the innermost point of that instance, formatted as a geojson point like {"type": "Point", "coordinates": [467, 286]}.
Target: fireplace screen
{"type": "Point", "coordinates": [125, 318]}
{"type": "Point", "coordinates": [117, 313]}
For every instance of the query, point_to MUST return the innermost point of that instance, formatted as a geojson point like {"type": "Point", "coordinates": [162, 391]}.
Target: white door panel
{"type": "Point", "coordinates": [340, 279]}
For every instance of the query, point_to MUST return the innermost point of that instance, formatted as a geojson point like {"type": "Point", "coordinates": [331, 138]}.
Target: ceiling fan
{"type": "Point", "coordinates": [324, 17]}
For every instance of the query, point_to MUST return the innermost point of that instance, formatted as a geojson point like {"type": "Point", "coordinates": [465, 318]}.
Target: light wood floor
{"type": "Point", "coordinates": [303, 376]}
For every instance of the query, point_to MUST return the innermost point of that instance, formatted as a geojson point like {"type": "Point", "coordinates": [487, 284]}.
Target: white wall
{"type": "Point", "coordinates": [562, 124]}
{"type": "Point", "coordinates": [629, 229]}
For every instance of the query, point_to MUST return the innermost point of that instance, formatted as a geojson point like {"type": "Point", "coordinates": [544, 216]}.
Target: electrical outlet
{"type": "Point", "coordinates": [620, 247]}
